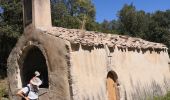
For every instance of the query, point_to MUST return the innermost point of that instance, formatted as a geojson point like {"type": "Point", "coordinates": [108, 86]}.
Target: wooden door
{"type": "Point", "coordinates": [112, 89]}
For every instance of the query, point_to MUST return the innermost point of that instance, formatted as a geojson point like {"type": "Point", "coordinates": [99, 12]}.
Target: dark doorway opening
{"type": "Point", "coordinates": [34, 61]}
{"type": "Point", "coordinates": [112, 75]}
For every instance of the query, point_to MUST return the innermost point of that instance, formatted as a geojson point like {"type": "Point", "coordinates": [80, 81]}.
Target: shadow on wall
{"type": "Point", "coordinates": [158, 50]}
{"type": "Point", "coordinates": [149, 91]}
{"type": "Point", "coordinates": [76, 47]}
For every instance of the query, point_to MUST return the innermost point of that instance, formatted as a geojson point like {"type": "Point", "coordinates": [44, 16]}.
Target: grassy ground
{"type": "Point", "coordinates": [166, 97]}
{"type": "Point", "coordinates": [3, 89]}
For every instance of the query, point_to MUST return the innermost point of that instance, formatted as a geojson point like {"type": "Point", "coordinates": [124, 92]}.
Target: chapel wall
{"type": "Point", "coordinates": [89, 72]}
{"type": "Point", "coordinates": [142, 73]}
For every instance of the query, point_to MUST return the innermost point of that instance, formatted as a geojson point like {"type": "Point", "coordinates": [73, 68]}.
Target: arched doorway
{"type": "Point", "coordinates": [112, 89]}
{"type": "Point", "coordinates": [34, 60]}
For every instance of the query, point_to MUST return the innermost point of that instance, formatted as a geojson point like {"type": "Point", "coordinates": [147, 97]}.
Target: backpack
{"type": "Point", "coordinates": [26, 94]}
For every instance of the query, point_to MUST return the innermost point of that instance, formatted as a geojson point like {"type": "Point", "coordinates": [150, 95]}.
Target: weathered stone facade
{"type": "Point", "coordinates": [75, 64]}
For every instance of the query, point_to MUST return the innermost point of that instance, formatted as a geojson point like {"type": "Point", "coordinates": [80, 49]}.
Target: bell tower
{"type": "Point", "coordinates": [37, 13]}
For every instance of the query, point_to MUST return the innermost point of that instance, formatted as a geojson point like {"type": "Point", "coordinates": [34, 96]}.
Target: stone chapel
{"type": "Point", "coordinates": [85, 65]}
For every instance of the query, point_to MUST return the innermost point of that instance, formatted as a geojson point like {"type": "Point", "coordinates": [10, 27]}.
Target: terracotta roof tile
{"type": "Point", "coordinates": [96, 38]}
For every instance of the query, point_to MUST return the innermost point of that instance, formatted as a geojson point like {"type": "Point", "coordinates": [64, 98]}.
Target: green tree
{"type": "Point", "coordinates": [132, 22]}
{"type": "Point", "coordinates": [106, 26]}
{"type": "Point", "coordinates": [127, 19]}
{"type": "Point", "coordinates": [110, 26]}
{"type": "Point", "coordinates": [74, 14]}
{"type": "Point", "coordinates": [159, 28]}
{"type": "Point", "coordinates": [61, 16]}
{"type": "Point", "coordinates": [10, 29]}
{"type": "Point", "coordinates": [142, 24]}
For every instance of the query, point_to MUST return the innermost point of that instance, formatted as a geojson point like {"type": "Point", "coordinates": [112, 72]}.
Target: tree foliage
{"type": "Point", "coordinates": [132, 22]}
{"type": "Point", "coordinates": [79, 14]}
{"type": "Point", "coordinates": [10, 29]}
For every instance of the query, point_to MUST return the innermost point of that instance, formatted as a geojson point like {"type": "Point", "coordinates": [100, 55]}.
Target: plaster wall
{"type": "Point", "coordinates": [41, 13]}
{"type": "Point", "coordinates": [89, 71]}
{"type": "Point", "coordinates": [141, 74]}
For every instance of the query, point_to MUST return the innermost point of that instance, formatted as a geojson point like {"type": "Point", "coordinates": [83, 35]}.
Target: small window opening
{"type": "Point", "coordinates": [27, 12]}
{"type": "Point", "coordinates": [34, 61]}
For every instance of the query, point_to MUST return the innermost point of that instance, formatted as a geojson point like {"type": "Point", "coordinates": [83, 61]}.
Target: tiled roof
{"type": "Point", "coordinates": [92, 38]}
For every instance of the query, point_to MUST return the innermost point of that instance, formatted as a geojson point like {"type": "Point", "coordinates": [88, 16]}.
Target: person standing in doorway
{"type": "Point", "coordinates": [30, 92]}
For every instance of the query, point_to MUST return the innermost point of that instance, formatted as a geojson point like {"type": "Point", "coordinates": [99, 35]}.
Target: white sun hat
{"type": "Point", "coordinates": [36, 81]}
{"type": "Point", "coordinates": [37, 73]}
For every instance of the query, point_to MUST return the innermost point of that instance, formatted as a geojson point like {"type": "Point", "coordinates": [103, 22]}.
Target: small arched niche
{"type": "Point", "coordinates": [112, 86]}
{"type": "Point", "coordinates": [34, 60]}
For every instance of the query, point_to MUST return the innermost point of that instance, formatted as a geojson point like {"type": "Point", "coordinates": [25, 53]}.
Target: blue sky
{"type": "Point", "coordinates": [1, 10]}
{"type": "Point", "coordinates": [108, 9]}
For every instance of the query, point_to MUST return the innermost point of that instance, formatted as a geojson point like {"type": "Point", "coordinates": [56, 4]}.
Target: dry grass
{"type": "Point", "coordinates": [3, 89]}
